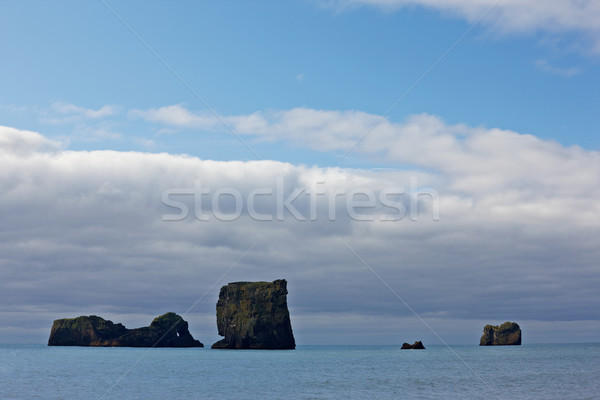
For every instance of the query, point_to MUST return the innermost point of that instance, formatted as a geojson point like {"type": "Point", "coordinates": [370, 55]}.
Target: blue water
{"type": "Point", "coordinates": [570, 371]}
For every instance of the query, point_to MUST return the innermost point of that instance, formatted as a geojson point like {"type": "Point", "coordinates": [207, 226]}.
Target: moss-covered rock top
{"type": "Point", "coordinates": [165, 320]}
{"type": "Point", "coordinates": [168, 330]}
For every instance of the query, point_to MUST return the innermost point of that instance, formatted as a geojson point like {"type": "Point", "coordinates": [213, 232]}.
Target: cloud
{"type": "Point", "coordinates": [317, 129]}
{"type": "Point", "coordinates": [544, 65]}
{"type": "Point", "coordinates": [83, 232]}
{"type": "Point", "coordinates": [175, 115]}
{"type": "Point", "coordinates": [100, 131]}
{"type": "Point", "coordinates": [508, 16]}
{"type": "Point", "coordinates": [14, 109]}
{"type": "Point", "coordinates": [82, 124]}
{"type": "Point", "coordinates": [472, 160]}
{"type": "Point", "coordinates": [73, 111]}
{"type": "Point", "coordinates": [17, 142]}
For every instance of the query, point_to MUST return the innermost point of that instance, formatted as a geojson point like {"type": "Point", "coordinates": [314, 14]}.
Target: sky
{"type": "Point", "coordinates": [415, 169]}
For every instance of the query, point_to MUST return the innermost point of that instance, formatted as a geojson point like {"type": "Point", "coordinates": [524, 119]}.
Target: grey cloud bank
{"type": "Point", "coordinates": [84, 233]}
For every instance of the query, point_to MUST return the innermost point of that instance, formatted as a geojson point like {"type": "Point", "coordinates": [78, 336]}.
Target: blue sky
{"type": "Point", "coordinates": [247, 57]}
{"type": "Point", "coordinates": [492, 107]}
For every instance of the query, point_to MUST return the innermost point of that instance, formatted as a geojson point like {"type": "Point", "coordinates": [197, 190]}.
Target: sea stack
{"type": "Point", "coordinates": [507, 334]}
{"type": "Point", "coordinates": [254, 315]}
{"type": "Point", "coordinates": [168, 330]}
{"type": "Point", "coordinates": [415, 346]}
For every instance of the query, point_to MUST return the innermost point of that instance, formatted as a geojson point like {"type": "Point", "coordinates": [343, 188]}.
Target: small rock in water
{"type": "Point", "coordinates": [416, 346]}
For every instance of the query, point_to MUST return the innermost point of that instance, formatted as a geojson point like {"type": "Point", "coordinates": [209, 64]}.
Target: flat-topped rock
{"type": "Point", "coordinates": [507, 334]}
{"type": "Point", "coordinates": [254, 315]}
{"type": "Point", "coordinates": [168, 330]}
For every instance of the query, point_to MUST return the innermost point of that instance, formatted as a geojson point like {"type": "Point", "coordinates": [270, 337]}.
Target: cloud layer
{"type": "Point", "coordinates": [474, 162]}
{"type": "Point", "coordinates": [84, 232]}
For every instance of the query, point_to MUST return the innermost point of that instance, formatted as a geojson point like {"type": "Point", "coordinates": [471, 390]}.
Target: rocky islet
{"type": "Point", "coordinates": [254, 315]}
{"type": "Point", "coordinates": [507, 334]}
{"type": "Point", "coordinates": [415, 346]}
{"type": "Point", "coordinates": [168, 330]}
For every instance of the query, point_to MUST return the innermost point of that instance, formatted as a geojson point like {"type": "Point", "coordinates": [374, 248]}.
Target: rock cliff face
{"type": "Point", "coordinates": [416, 346]}
{"type": "Point", "coordinates": [169, 330]}
{"type": "Point", "coordinates": [254, 315]}
{"type": "Point", "coordinates": [509, 333]}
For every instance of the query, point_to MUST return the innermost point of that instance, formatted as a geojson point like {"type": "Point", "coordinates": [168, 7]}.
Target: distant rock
{"type": "Point", "coordinates": [415, 346]}
{"type": "Point", "coordinates": [168, 330]}
{"type": "Point", "coordinates": [254, 315]}
{"type": "Point", "coordinates": [509, 333]}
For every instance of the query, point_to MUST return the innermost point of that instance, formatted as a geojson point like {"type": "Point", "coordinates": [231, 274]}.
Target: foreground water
{"type": "Point", "coordinates": [557, 371]}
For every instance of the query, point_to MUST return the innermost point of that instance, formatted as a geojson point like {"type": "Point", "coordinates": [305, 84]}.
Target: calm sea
{"type": "Point", "coordinates": [557, 371]}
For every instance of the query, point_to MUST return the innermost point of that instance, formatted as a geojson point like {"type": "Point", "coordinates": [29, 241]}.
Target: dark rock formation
{"type": "Point", "coordinates": [416, 346]}
{"type": "Point", "coordinates": [254, 315]}
{"type": "Point", "coordinates": [169, 330]}
{"type": "Point", "coordinates": [506, 334]}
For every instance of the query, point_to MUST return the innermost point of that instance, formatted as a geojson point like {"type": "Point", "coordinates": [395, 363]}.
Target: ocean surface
{"type": "Point", "coordinates": [542, 371]}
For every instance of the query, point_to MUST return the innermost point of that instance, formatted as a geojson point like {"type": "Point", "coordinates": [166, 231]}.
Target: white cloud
{"type": "Point", "coordinates": [509, 16]}
{"type": "Point", "coordinates": [83, 124]}
{"type": "Point", "coordinates": [322, 130]}
{"type": "Point", "coordinates": [73, 111]}
{"type": "Point", "coordinates": [19, 142]}
{"type": "Point", "coordinates": [175, 115]}
{"type": "Point", "coordinates": [99, 131]}
{"type": "Point", "coordinates": [544, 65]}
{"type": "Point", "coordinates": [146, 143]}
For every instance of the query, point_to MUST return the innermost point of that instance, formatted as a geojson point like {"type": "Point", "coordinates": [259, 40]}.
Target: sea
{"type": "Point", "coordinates": [530, 371]}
